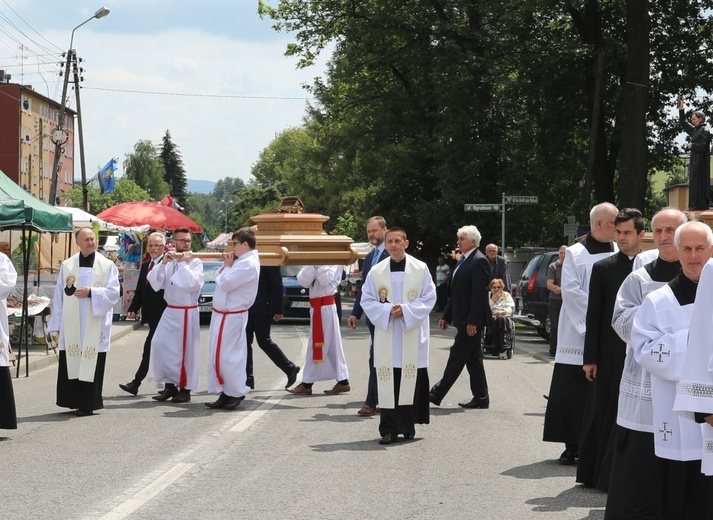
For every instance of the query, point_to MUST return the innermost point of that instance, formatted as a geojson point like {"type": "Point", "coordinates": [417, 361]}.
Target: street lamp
{"type": "Point", "coordinates": [59, 134]}
{"type": "Point", "coordinates": [226, 204]}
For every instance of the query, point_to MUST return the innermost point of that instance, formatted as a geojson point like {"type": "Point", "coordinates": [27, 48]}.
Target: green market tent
{"type": "Point", "coordinates": [37, 216]}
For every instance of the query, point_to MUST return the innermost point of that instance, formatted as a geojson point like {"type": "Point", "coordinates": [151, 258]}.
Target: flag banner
{"type": "Point", "coordinates": [106, 176]}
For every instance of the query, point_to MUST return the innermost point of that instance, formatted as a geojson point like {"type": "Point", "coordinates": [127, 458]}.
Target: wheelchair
{"type": "Point", "coordinates": [508, 341]}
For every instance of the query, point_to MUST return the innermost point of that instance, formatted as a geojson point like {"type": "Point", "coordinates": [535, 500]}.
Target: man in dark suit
{"type": "Point", "coordinates": [467, 309]}
{"type": "Point", "coordinates": [375, 231]}
{"type": "Point", "coordinates": [151, 304]}
{"type": "Point", "coordinates": [268, 304]}
{"type": "Point", "coordinates": [499, 267]}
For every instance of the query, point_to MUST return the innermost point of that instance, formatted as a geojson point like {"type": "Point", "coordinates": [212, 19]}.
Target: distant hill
{"type": "Point", "coordinates": [194, 186]}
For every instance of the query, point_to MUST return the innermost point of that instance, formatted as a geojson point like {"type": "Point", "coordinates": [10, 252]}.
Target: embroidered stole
{"type": "Point", "coordinates": [82, 355]}
{"type": "Point", "coordinates": [384, 339]}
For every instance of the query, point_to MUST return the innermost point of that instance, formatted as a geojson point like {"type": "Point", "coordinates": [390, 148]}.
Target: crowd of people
{"type": "Point", "coordinates": [631, 397]}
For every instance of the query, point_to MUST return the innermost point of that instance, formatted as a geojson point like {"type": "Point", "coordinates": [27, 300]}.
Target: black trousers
{"type": "Point", "coordinates": [145, 356]}
{"type": "Point", "coordinates": [465, 352]}
{"type": "Point", "coordinates": [259, 327]}
{"type": "Point", "coordinates": [555, 306]}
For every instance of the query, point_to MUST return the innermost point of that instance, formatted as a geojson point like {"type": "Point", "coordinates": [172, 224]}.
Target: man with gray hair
{"type": "Point", "coordinates": [568, 389]}
{"type": "Point", "coordinates": [467, 309]}
{"type": "Point", "coordinates": [151, 304]}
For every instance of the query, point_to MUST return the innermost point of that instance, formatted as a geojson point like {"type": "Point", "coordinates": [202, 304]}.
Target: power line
{"type": "Point", "coordinates": [195, 95]}
{"type": "Point", "coordinates": [28, 25]}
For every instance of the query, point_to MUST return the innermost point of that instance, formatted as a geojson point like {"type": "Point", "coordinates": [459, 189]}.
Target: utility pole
{"type": "Point", "coordinates": [82, 164]}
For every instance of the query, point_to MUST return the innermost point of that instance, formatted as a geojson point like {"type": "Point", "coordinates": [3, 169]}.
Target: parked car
{"type": "Point", "coordinates": [532, 295]}
{"type": "Point", "coordinates": [205, 300]}
{"type": "Point", "coordinates": [296, 301]}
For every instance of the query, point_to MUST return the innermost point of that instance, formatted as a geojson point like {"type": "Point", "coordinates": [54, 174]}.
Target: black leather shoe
{"type": "Point", "coordinates": [84, 413]}
{"type": "Point", "coordinates": [409, 436]}
{"type": "Point", "coordinates": [474, 403]}
{"type": "Point", "coordinates": [292, 376]}
{"type": "Point", "coordinates": [233, 402]}
{"type": "Point", "coordinates": [220, 403]}
{"type": "Point", "coordinates": [130, 387]}
{"type": "Point", "coordinates": [168, 393]}
{"type": "Point", "coordinates": [433, 399]}
{"type": "Point", "coordinates": [567, 458]}
{"type": "Point", "coordinates": [389, 438]}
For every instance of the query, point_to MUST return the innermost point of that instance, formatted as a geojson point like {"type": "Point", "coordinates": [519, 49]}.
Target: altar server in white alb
{"type": "Point", "coordinates": [235, 290]}
{"type": "Point", "coordinates": [175, 348]}
{"type": "Point", "coordinates": [82, 309]}
{"type": "Point", "coordinates": [660, 337]}
{"type": "Point", "coordinates": [8, 415]}
{"type": "Point", "coordinates": [397, 297]}
{"type": "Point", "coordinates": [325, 355]}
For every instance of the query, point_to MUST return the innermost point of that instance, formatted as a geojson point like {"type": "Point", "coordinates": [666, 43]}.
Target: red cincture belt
{"type": "Point", "coordinates": [220, 339]}
{"type": "Point", "coordinates": [317, 329]}
{"type": "Point", "coordinates": [184, 377]}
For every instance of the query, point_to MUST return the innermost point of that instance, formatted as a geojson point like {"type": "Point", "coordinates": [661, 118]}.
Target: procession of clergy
{"type": "Point", "coordinates": [88, 288]}
{"type": "Point", "coordinates": [631, 395]}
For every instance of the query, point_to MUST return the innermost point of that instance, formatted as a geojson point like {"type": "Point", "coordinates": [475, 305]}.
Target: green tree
{"type": "Point", "coordinates": [145, 168]}
{"type": "Point", "coordinates": [125, 190]}
{"type": "Point", "coordinates": [227, 187]}
{"type": "Point", "coordinates": [175, 173]}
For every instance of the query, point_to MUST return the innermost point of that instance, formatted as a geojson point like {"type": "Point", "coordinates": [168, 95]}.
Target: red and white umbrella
{"type": "Point", "coordinates": [157, 216]}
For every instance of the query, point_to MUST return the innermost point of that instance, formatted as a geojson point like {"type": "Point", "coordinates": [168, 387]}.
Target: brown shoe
{"type": "Point", "coordinates": [338, 389]}
{"type": "Point", "coordinates": [184, 396]}
{"type": "Point", "coordinates": [300, 390]}
{"type": "Point", "coordinates": [233, 402]}
{"type": "Point", "coordinates": [168, 393]}
{"type": "Point", "coordinates": [368, 411]}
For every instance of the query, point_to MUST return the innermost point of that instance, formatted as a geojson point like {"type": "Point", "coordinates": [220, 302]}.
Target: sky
{"type": "Point", "coordinates": [219, 48]}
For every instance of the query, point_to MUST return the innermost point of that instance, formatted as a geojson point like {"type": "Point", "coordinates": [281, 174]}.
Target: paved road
{"type": "Point", "coordinates": [285, 456]}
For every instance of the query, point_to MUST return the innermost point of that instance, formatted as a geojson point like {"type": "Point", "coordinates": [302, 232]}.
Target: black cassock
{"type": "Point", "coordinates": [699, 173]}
{"type": "Point", "coordinates": [603, 347]}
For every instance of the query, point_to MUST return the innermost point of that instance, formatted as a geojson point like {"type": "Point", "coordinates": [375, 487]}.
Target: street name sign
{"type": "Point", "coordinates": [482, 207]}
{"type": "Point", "coordinates": [521, 199]}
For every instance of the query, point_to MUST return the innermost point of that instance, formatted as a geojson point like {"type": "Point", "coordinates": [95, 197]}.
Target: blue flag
{"type": "Point", "coordinates": [106, 176]}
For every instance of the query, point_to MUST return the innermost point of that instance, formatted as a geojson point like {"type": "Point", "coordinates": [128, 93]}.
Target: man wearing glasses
{"type": "Point", "coordinates": [151, 304]}
{"type": "Point", "coordinates": [175, 348]}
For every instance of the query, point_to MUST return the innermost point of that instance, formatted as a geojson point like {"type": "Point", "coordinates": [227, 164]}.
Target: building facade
{"type": "Point", "coordinates": [27, 122]}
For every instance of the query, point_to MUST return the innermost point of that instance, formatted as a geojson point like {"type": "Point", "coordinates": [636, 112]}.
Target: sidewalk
{"type": "Point", "coordinates": [40, 358]}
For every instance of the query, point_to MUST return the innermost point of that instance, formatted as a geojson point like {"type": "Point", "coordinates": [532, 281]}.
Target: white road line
{"type": "Point", "coordinates": [150, 491]}
{"type": "Point", "coordinates": [142, 497]}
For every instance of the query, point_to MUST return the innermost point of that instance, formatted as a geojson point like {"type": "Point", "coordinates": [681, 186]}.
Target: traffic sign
{"type": "Point", "coordinates": [482, 207]}
{"type": "Point", "coordinates": [521, 199]}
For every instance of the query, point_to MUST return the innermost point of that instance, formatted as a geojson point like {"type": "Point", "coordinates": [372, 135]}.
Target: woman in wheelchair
{"type": "Point", "coordinates": [501, 308]}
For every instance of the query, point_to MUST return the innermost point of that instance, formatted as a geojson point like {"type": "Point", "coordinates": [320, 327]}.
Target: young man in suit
{"type": "Point", "coordinates": [151, 304]}
{"type": "Point", "coordinates": [375, 231]}
{"type": "Point", "coordinates": [467, 309]}
{"type": "Point", "coordinates": [268, 304]}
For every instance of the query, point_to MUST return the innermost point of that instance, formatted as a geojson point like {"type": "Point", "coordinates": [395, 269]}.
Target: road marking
{"type": "Point", "coordinates": [257, 414]}
{"type": "Point", "coordinates": [150, 491]}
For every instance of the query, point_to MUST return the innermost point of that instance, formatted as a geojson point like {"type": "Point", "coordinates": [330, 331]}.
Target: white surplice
{"type": "Point", "coordinates": [182, 282]}
{"type": "Point", "coordinates": [659, 337]}
{"type": "Point", "coordinates": [235, 290]}
{"type": "Point", "coordinates": [8, 279]}
{"type": "Point", "coordinates": [323, 280]}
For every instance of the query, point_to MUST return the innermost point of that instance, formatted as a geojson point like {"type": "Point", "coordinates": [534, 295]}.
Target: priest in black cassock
{"type": "Point", "coordinates": [604, 351]}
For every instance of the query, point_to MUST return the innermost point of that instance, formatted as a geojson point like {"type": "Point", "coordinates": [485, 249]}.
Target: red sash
{"type": "Point", "coordinates": [220, 339]}
{"type": "Point", "coordinates": [184, 377]}
{"type": "Point", "coordinates": [317, 329]}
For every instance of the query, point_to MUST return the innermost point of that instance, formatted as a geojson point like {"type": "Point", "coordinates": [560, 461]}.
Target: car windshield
{"type": "Point", "coordinates": [290, 270]}
{"type": "Point", "coordinates": [210, 270]}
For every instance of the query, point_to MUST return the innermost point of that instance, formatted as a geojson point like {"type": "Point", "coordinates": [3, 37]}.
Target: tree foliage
{"type": "Point", "coordinates": [125, 190]}
{"type": "Point", "coordinates": [145, 168]}
{"type": "Point", "coordinates": [175, 173]}
{"type": "Point", "coordinates": [430, 104]}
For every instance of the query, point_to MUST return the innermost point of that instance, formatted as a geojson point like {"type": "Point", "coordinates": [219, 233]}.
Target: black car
{"type": "Point", "coordinates": [205, 300]}
{"type": "Point", "coordinates": [296, 301]}
{"type": "Point", "coordinates": [532, 294]}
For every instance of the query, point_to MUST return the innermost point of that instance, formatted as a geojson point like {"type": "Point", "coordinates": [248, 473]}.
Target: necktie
{"type": "Point", "coordinates": [462, 259]}
{"type": "Point", "coordinates": [147, 272]}
{"type": "Point", "coordinates": [375, 258]}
